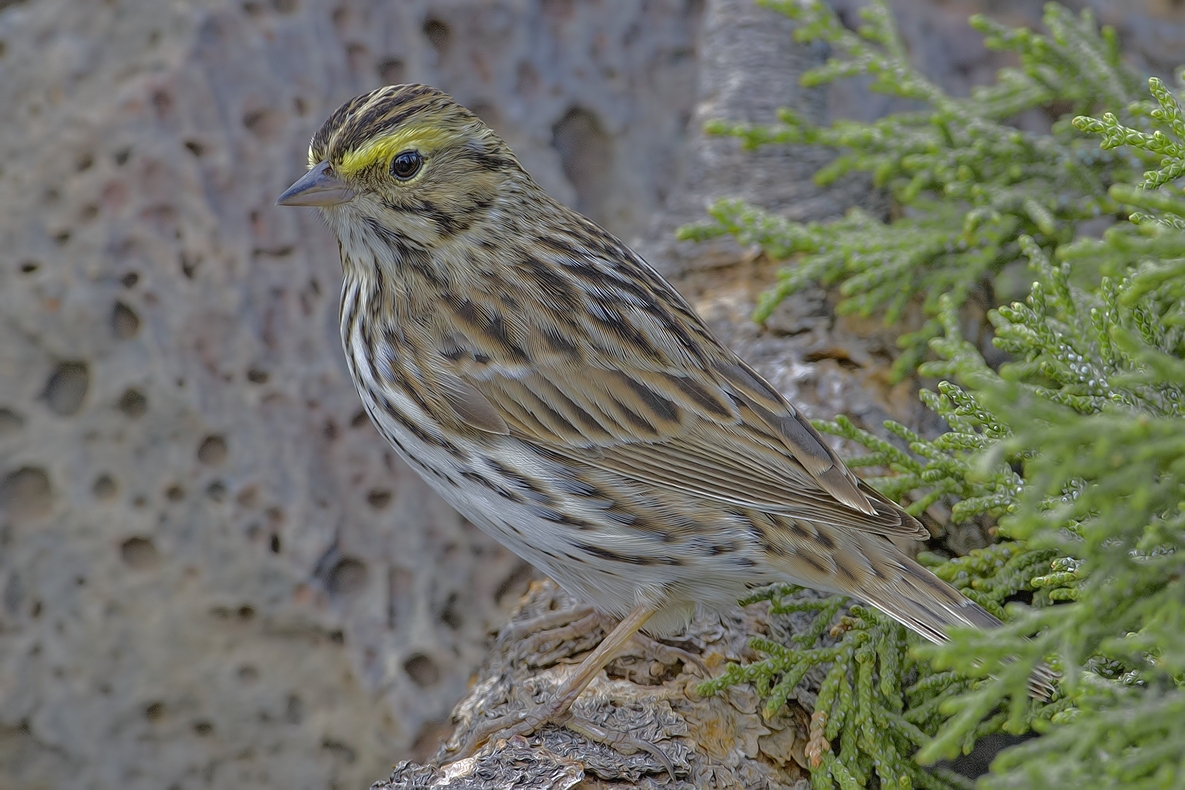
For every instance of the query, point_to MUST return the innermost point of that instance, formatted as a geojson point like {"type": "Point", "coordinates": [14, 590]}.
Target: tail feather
{"type": "Point", "coordinates": [921, 601]}
{"type": "Point", "coordinates": [1041, 682]}
{"type": "Point", "coordinates": [925, 604]}
{"type": "Point", "coordinates": [869, 567]}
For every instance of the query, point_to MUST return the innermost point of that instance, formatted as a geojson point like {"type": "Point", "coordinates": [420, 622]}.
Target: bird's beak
{"type": "Point", "coordinates": [318, 187]}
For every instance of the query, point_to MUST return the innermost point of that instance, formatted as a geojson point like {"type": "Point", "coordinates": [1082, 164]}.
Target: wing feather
{"type": "Point", "coordinates": [648, 393]}
{"type": "Point", "coordinates": [735, 461]}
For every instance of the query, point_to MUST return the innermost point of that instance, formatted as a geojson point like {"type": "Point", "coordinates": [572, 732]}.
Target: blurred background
{"type": "Point", "coordinates": [213, 572]}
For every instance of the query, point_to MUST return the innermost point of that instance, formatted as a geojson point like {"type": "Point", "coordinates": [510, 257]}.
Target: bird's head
{"type": "Point", "coordinates": [406, 162]}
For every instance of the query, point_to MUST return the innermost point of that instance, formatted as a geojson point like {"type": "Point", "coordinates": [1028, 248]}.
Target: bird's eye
{"type": "Point", "coordinates": [406, 164]}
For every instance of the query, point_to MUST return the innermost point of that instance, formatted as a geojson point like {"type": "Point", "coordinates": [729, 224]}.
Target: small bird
{"type": "Point", "coordinates": [560, 394]}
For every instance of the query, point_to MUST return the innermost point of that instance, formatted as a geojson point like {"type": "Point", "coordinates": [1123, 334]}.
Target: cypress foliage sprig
{"type": "Point", "coordinates": [1074, 448]}
{"type": "Point", "coordinates": [967, 183]}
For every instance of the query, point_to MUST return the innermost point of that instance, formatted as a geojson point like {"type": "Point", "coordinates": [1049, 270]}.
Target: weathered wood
{"type": "Point", "coordinates": [649, 692]}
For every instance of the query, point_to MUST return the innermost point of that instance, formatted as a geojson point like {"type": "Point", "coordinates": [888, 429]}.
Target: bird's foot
{"type": "Point", "coordinates": [556, 710]}
{"type": "Point", "coordinates": [552, 637]}
{"type": "Point", "coordinates": [547, 639]}
{"type": "Point", "coordinates": [526, 722]}
{"type": "Point", "coordinates": [668, 654]}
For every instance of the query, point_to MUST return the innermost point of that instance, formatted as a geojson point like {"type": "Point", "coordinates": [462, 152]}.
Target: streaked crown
{"type": "Point", "coordinates": [367, 131]}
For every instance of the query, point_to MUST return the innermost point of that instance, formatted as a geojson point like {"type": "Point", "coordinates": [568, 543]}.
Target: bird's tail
{"type": "Point", "coordinates": [925, 604]}
{"type": "Point", "coordinates": [869, 567]}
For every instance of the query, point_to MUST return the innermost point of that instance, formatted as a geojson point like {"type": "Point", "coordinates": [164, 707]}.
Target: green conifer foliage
{"type": "Point", "coordinates": [967, 184]}
{"type": "Point", "coordinates": [1075, 447]}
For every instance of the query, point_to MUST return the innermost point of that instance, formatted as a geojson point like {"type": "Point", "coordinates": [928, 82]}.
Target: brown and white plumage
{"type": "Point", "coordinates": [562, 395]}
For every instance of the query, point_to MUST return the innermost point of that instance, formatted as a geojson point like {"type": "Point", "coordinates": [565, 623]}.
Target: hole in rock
{"type": "Point", "coordinates": [422, 670]}
{"type": "Point", "coordinates": [212, 450]}
{"type": "Point", "coordinates": [438, 34]}
{"type": "Point", "coordinates": [392, 71]}
{"type": "Point", "coordinates": [66, 388]}
{"type": "Point", "coordinates": [26, 494]}
{"type": "Point", "coordinates": [124, 321]}
{"type": "Point", "coordinates": [104, 487]}
{"type": "Point", "coordinates": [133, 403]}
{"type": "Point", "coordinates": [139, 553]}
{"type": "Point", "coordinates": [378, 498]}
{"type": "Point", "coordinates": [586, 154]}
{"type": "Point", "coordinates": [347, 577]}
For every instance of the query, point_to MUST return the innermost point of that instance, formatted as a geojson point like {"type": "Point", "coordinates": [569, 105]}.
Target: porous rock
{"type": "Point", "coordinates": [213, 571]}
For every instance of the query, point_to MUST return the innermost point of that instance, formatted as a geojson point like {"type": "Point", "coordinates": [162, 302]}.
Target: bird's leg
{"type": "Point", "coordinates": [606, 651]}
{"type": "Point", "coordinates": [550, 637]}
{"type": "Point", "coordinates": [555, 711]}
{"type": "Point", "coordinates": [669, 654]}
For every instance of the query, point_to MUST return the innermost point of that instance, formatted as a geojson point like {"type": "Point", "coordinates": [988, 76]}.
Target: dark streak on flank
{"type": "Point", "coordinates": [521, 481]}
{"type": "Point", "coordinates": [589, 423]}
{"type": "Point", "coordinates": [935, 584]}
{"type": "Point", "coordinates": [613, 556]}
{"type": "Point", "coordinates": [759, 535]}
{"type": "Point", "coordinates": [402, 381]}
{"type": "Point", "coordinates": [559, 517]}
{"type": "Point", "coordinates": [513, 496]}
{"type": "Point", "coordinates": [577, 487]}
{"type": "Point", "coordinates": [818, 566]}
{"type": "Point", "coordinates": [655, 532]}
{"type": "Point", "coordinates": [543, 406]}
{"type": "Point", "coordinates": [482, 480]}
{"type": "Point", "coordinates": [795, 527]}
{"type": "Point", "coordinates": [824, 539]}
{"type": "Point", "coordinates": [843, 570]}
{"type": "Point", "coordinates": [414, 429]}
{"type": "Point", "coordinates": [349, 321]}
{"type": "Point", "coordinates": [364, 329]}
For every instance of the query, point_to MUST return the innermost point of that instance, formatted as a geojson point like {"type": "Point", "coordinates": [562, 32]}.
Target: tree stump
{"type": "Point", "coordinates": [720, 741]}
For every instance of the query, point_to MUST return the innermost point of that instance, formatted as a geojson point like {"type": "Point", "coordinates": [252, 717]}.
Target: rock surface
{"type": "Point", "coordinates": [213, 573]}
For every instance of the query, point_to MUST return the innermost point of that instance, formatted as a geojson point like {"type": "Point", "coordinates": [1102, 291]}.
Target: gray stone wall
{"type": "Point", "coordinates": [213, 573]}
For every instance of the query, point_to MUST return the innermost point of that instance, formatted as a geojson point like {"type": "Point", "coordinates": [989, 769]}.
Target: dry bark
{"type": "Point", "coordinates": [649, 692]}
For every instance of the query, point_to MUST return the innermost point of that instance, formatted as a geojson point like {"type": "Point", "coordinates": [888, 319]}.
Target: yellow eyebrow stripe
{"type": "Point", "coordinates": [424, 139]}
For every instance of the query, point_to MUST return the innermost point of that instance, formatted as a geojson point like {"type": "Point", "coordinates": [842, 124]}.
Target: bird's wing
{"type": "Point", "coordinates": [745, 455]}
{"type": "Point", "coordinates": [647, 392]}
